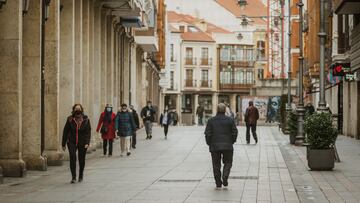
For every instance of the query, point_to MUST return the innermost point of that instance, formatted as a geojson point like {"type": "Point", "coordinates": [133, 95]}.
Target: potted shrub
{"type": "Point", "coordinates": [321, 136]}
{"type": "Point", "coordinates": [293, 125]}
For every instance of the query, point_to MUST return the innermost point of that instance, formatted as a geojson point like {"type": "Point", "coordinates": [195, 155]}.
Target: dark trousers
{"type": "Point", "coordinates": [253, 131]}
{"type": "Point", "coordinates": [166, 129]}
{"type": "Point", "coordinates": [227, 158]}
{"type": "Point", "coordinates": [133, 140]}
{"type": "Point", "coordinates": [105, 143]}
{"type": "Point", "coordinates": [81, 156]}
{"type": "Point", "coordinates": [200, 120]}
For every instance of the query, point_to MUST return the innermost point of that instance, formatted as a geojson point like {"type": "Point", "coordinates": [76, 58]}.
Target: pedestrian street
{"type": "Point", "coordinates": [179, 169]}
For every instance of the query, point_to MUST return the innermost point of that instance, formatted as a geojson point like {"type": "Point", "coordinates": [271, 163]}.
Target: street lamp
{"type": "Point", "coordinates": [322, 37]}
{"type": "Point", "coordinates": [300, 138]}
{"type": "Point", "coordinates": [242, 3]}
{"type": "Point", "coordinates": [2, 2]}
{"type": "Point", "coordinates": [288, 106]}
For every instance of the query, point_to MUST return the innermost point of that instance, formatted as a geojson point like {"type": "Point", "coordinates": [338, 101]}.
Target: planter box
{"type": "Point", "coordinates": [321, 159]}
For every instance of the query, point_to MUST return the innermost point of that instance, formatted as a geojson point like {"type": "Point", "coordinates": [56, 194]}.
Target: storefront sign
{"type": "Point", "coordinates": [351, 77]}
{"type": "Point", "coordinates": [340, 69]}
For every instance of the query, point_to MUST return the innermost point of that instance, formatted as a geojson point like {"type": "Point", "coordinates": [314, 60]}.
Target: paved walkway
{"type": "Point", "coordinates": [179, 170]}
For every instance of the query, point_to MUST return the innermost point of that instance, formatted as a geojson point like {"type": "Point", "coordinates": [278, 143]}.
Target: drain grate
{"type": "Point", "coordinates": [244, 177]}
{"type": "Point", "coordinates": [178, 180]}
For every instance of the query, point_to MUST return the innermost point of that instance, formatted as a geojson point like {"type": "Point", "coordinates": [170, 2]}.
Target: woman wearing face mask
{"type": "Point", "coordinates": [165, 120]}
{"type": "Point", "coordinates": [76, 136]}
{"type": "Point", "coordinates": [106, 126]}
{"type": "Point", "coordinates": [125, 127]}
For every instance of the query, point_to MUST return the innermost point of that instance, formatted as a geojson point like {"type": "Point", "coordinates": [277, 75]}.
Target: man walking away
{"type": "Point", "coordinates": [165, 120]}
{"type": "Point", "coordinates": [221, 134]}
{"type": "Point", "coordinates": [137, 123]}
{"type": "Point", "coordinates": [147, 114]}
{"type": "Point", "coordinates": [251, 117]}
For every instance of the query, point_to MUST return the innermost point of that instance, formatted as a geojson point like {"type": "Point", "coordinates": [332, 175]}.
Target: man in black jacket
{"type": "Point", "coordinates": [137, 123]}
{"type": "Point", "coordinates": [148, 116]}
{"type": "Point", "coordinates": [221, 134]}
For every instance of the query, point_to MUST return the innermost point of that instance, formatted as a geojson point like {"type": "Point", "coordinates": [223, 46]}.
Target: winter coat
{"type": "Point", "coordinates": [221, 133]}
{"type": "Point", "coordinates": [125, 124]}
{"type": "Point", "coordinates": [79, 136]}
{"type": "Point", "coordinates": [110, 135]}
{"type": "Point", "coordinates": [136, 119]}
{"type": "Point", "coordinates": [168, 119]}
{"type": "Point", "coordinates": [200, 111]}
{"type": "Point", "coordinates": [148, 117]}
{"type": "Point", "coordinates": [251, 115]}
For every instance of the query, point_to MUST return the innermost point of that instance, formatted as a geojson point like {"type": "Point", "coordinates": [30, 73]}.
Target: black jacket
{"type": "Point", "coordinates": [221, 133]}
{"type": "Point", "coordinates": [168, 119]}
{"type": "Point", "coordinates": [69, 133]}
{"type": "Point", "coordinates": [151, 116]}
{"type": "Point", "coordinates": [136, 118]}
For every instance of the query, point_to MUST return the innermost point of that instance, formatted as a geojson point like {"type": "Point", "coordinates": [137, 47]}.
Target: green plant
{"type": "Point", "coordinates": [320, 132]}
{"type": "Point", "coordinates": [292, 122]}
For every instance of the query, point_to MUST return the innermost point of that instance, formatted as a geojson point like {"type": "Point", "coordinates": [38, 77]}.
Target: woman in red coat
{"type": "Point", "coordinates": [106, 126]}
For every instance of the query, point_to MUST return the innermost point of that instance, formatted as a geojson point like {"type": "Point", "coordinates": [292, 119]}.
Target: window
{"type": "Point", "coordinates": [249, 77]}
{"type": "Point", "coordinates": [343, 31]}
{"type": "Point", "coordinates": [225, 76]}
{"type": "Point", "coordinates": [189, 52]}
{"type": "Point", "coordinates": [172, 80]}
{"type": "Point", "coordinates": [260, 45]}
{"type": "Point", "coordinates": [204, 75]}
{"type": "Point", "coordinates": [189, 74]}
{"type": "Point", "coordinates": [172, 52]}
{"type": "Point", "coordinates": [261, 74]}
{"type": "Point", "coordinates": [205, 53]}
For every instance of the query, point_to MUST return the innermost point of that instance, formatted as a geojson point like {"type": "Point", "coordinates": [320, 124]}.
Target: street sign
{"type": "Point", "coordinates": [340, 69]}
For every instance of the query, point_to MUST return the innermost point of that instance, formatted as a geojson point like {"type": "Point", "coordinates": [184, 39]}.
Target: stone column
{"type": "Point", "coordinates": [126, 70]}
{"type": "Point", "coordinates": [53, 150]}
{"type": "Point", "coordinates": [31, 84]}
{"type": "Point", "coordinates": [109, 59]}
{"type": "Point", "coordinates": [133, 76]}
{"type": "Point", "coordinates": [233, 102]}
{"type": "Point", "coordinates": [179, 105]}
{"type": "Point", "coordinates": [85, 56]}
{"type": "Point", "coordinates": [103, 57]}
{"type": "Point", "coordinates": [97, 105]}
{"type": "Point", "coordinates": [78, 51]}
{"type": "Point", "coordinates": [11, 89]}
{"type": "Point", "coordinates": [215, 101]}
{"type": "Point", "coordinates": [67, 62]}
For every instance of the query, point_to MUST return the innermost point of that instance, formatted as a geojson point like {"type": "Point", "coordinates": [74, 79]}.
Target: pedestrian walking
{"type": "Point", "coordinates": [106, 126]}
{"type": "Point", "coordinates": [221, 134]}
{"type": "Point", "coordinates": [200, 113]}
{"type": "Point", "coordinates": [137, 123]}
{"type": "Point", "coordinates": [76, 135]}
{"type": "Point", "coordinates": [125, 127]}
{"type": "Point", "coordinates": [165, 120]}
{"type": "Point", "coordinates": [148, 116]}
{"type": "Point", "coordinates": [251, 117]}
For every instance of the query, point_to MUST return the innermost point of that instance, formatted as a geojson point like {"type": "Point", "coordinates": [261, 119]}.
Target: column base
{"type": "Point", "coordinates": [35, 162]}
{"type": "Point", "coordinates": [13, 167]}
{"type": "Point", "coordinates": [1, 176]}
{"type": "Point", "coordinates": [54, 157]}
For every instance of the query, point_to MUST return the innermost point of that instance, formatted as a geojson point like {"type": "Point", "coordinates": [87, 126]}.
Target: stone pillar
{"type": "Point", "coordinates": [103, 57]}
{"type": "Point", "coordinates": [215, 102]}
{"type": "Point", "coordinates": [78, 51]}
{"type": "Point", "coordinates": [53, 150]}
{"type": "Point", "coordinates": [109, 59]}
{"type": "Point", "coordinates": [85, 56]}
{"type": "Point", "coordinates": [93, 105]}
{"type": "Point", "coordinates": [126, 71]}
{"type": "Point", "coordinates": [31, 84]}
{"type": "Point", "coordinates": [116, 68]}
{"type": "Point", "coordinates": [67, 62]}
{"type": "Point", "coordinates": [139, 75]}
{"type": "Point", "coordinates": [133, 76]}
{"type": "Point", "coordinates": [97, 105]}
{"type": "Point", "coordinates": [233, 102]}
{"type": "Point", "coordinates": [11, 89]}
{"type": "Point", "coordinates": [179, 106]}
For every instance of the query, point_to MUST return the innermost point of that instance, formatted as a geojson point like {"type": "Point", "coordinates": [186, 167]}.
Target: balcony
{"type": "Point", "coordinates": [347, 7]}
{"type": "Point", "coordinates": [205, 83]}
{"type": "Point", "coordinates": [190, 61]}
{"type": "Point", "coordinates": [147, 39]}
{"type": "Point", "coordinates": [190, 83]}
{"type": "Point", "coordinates": [206, 61]}
{"type": "Point", "coordinates": [233, 86]}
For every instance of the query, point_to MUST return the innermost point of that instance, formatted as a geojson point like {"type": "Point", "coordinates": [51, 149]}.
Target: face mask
{"type": "Point", "coordinates": [108, 109]}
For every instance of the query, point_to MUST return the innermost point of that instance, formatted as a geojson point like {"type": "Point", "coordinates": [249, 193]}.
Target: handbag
{"type": "Point", "coordinates": [104, 129]}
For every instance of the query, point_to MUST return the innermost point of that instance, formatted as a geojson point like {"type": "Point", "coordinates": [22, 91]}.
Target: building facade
{"type": "Point", "coordinates": [57, 53]}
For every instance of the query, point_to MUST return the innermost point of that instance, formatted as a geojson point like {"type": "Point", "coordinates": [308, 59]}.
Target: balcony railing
{"type": "Point", "coordinates": [206, 61]}
{"type": "Point", "coordinates": [206, 83]}
{"type": "Point", "coordinates": [190, 61]}
{"type": "Point", "coordinates": [233, 86]}
{"type": "Point", "coordinates": [190, 83]}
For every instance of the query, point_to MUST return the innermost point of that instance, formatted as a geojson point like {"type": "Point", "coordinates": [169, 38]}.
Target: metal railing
{"type": "Point", "coordinates": [190, 83]}
{"type": "Point", "coordinates": [206, 83]}
{"type": "Point", "coordinates": [190, 61]}
{"type": "Point", "coordinates": [206, 61]}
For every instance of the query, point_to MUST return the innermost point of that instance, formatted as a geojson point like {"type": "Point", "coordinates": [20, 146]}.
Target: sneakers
{"type": "Point", "coordinates": [128, 154]}
{"type": "Point", "coordinates": [73, 180]}
{"type": "Point", "coordinates": [225, 183]}
{"type": "Point", "coordinates": [80, 179]}
{"type": "Point", "coordinates": [150, 137]}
